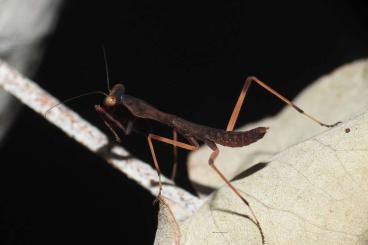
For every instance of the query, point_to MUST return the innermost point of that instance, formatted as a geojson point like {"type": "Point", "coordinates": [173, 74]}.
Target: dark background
{"type": "Point", "coordinates": [186, 58]}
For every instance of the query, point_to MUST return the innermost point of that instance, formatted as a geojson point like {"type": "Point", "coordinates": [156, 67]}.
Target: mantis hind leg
{"type": "Point", "coordinates": [243, 93]}
{"type": "Point", "coordinates": [211, 162]}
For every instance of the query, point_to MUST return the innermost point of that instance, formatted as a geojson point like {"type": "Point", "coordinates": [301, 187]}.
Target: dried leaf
{"type": "Point", "coordinates": [168, 232]}
{"type": "Point", "coordinates": [312, 192]}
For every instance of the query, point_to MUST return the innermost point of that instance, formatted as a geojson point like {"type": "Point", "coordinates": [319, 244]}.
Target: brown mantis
{"type": "Point", "coordinates": [118, 99]}
{"type": "Point", "coordinates": [190, 131]}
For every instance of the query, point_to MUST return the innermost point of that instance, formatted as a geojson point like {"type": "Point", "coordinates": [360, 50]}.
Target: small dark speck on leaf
{"type": "Point", "coordinates": [347, 130]}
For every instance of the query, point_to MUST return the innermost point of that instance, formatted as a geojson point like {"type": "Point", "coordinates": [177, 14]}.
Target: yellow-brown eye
{"type": "Point", "coordinates": [110, 101]}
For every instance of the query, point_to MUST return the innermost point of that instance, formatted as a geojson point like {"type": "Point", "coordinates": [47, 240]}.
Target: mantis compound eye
{"type": "Point", "coordinates": [110, 101]}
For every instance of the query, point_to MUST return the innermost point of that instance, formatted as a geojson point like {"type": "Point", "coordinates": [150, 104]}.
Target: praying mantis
{"type": "Point", "coordinates": [117, 99]}
{"type": "Point", "coordinates": [192, 132]}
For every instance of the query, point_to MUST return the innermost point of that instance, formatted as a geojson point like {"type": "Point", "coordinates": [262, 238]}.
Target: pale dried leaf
{"type": "Point", "coordinates": [168, 232]}
{"type": "Point", "coordinates": [312, 193]}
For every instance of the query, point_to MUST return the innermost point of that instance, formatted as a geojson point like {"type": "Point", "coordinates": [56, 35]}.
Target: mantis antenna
{"type": "Point", "coordinates": [89, 93]}
{"type": "Point", "coordinates": [73, 98]}
{"type": "Point", "coordinates": [106, 68]}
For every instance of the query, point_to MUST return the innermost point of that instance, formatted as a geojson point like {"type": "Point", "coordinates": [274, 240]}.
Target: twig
{"type": "Point", "coordinates": [86, 134]}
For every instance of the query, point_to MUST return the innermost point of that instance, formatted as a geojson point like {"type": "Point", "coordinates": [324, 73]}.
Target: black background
{"type": "Point", "coordinates": [186, 58]}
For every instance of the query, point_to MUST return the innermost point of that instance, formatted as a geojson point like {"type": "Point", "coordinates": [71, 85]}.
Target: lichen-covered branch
{"type": "Point", "coordinates": [30, 94]}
